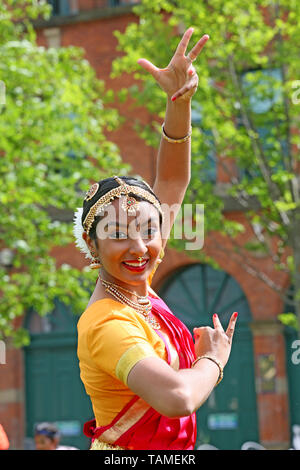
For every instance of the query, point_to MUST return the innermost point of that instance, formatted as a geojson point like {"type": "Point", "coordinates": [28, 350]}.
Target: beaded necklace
{"type": "Point", "coordinates": [142, 306]}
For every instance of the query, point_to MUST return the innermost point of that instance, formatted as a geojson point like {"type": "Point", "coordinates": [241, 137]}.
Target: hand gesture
{"type": "Point", "coordinates": [215, 341]}
{"type": "Point", "coordinates": [179, 79]}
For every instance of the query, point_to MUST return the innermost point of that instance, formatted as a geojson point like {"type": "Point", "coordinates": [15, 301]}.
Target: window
{"type": "Point", "coordinates": [262, 88]}
{"type": "Point", "coordinates": [205, 153]}
{"type": "Point", "coordinates": [60, 7]}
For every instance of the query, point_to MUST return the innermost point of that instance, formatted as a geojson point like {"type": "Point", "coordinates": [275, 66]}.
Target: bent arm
{"type": "Point", "coordinates": [173, 393]}
{"type": "Point", "coordinates": [179, 80]}
{"type": "Point", "coordinates": [173, 167]}
{"type": "Point", "coordinates": [180, 393]}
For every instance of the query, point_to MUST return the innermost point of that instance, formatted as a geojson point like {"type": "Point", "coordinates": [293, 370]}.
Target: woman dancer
{"type": "Point", "coordinates": [139, 364]}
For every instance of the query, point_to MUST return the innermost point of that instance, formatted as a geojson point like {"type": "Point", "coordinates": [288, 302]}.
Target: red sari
{"type": "Point", "coordinates": [152, 431]}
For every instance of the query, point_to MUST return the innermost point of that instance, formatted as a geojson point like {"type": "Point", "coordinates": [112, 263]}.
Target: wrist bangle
{"type": "Point", "coordinates": [175, 141]}
{"type": "Point", "coordinates": [218, 363]}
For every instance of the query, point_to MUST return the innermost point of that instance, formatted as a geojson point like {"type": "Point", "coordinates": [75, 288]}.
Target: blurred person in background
{"type": "Point", "coordinates": [47, 437]}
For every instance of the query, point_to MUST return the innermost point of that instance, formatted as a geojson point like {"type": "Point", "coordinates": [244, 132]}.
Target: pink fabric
{"type": "Point", "coordinates": [154, 431]}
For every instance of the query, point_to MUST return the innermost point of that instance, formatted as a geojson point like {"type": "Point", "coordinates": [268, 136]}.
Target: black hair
{"type": "Point", "coordinates": [107, 185]}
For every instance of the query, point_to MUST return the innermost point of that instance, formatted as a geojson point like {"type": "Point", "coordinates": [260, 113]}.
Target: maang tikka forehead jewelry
{"type": "Point", "coordinates": [129, 204]}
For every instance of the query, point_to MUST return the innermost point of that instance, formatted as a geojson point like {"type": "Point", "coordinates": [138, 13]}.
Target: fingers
{"type": "Point", "coordinates": [231, 325]}
{"type": "Point", "coordinates": [149, 67]}
{"type": "Point", "coordinates": [188, 89]}
{"type": "Point", "coordinates": [183, 44]}
{"type": "Point", "coordinates": [185, 92]}
{"type": "Point", "coordinates": [217, 323]}
{"type": "Point", "coordinates": [195, 51]}
{"type": "Point", "coordinates": [181, 50]}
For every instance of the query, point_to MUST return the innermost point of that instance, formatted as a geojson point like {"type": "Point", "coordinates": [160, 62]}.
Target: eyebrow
{"type": "Point", "coordinates": [124, 225]}
{"type": "Point", "coordinates": [115, 223]}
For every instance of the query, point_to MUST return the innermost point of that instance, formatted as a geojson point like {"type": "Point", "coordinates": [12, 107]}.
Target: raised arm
{"type": "Point", "coordinates": [179, 80]}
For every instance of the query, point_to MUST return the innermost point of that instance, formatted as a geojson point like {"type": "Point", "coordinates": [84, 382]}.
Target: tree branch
{"type": "Point", "coordinates": [257, 149]}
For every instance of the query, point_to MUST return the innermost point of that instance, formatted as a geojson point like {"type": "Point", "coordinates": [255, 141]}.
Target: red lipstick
{"type": "Point", "coordinates": [135, 266]}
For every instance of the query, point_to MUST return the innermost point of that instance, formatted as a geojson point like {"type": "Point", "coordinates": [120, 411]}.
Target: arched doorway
{"type": "Point", "coordinates": [194, 293]}
{"type": "Point", "coordinates": [54, 391]}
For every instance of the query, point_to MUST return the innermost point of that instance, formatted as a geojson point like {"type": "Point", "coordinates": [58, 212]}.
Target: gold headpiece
{"type": "Point", "coordinates": [130, 204]}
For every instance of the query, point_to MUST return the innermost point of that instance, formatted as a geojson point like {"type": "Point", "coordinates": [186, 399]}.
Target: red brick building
{"type": "Point", "coordinates": [258, 399]}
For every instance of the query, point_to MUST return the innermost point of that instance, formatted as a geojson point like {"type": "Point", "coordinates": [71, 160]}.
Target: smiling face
{"type": "Point", "coordinates": [128, 245]}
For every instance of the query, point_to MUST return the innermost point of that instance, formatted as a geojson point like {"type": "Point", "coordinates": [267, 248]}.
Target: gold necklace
{"type": "Point", "coordinates": [143, 309]}
{"type": "Point", "coordinates": [142, 299]}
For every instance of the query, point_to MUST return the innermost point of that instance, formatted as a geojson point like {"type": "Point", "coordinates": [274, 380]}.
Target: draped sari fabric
{"type": "Point", "coordinates": [150, 430]}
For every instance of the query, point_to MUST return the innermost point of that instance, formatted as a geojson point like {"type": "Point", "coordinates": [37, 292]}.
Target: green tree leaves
{"type": "Point", "coordinates": [246, 77]}
{"type": "Point", "coordinates": [52, 144]}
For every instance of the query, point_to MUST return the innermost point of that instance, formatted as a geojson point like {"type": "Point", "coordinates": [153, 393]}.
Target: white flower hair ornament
{"type": "Point", "coordinates": [78, 231]}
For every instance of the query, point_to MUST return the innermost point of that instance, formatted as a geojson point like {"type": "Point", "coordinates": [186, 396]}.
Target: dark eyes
{"type": "Point", "coordinates": [149, 233]}
{"type": "Point", "coordinates": [118, 235]}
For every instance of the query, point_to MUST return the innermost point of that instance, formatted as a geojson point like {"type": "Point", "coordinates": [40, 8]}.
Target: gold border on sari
{"type": "Point", "coordinates": [129, 418]}
{"type": "Point", "coordinates": [99, 445]}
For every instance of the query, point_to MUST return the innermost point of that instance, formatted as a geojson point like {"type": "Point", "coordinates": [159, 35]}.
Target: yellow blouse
{"type": "Point", "coordinates": [112, 338]}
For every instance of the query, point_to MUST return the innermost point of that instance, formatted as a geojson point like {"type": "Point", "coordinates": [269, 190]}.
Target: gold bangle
{"type": "Point", "coordinates": [175, 141]}
{"type": "Point", "coordinates": [218, 363]}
